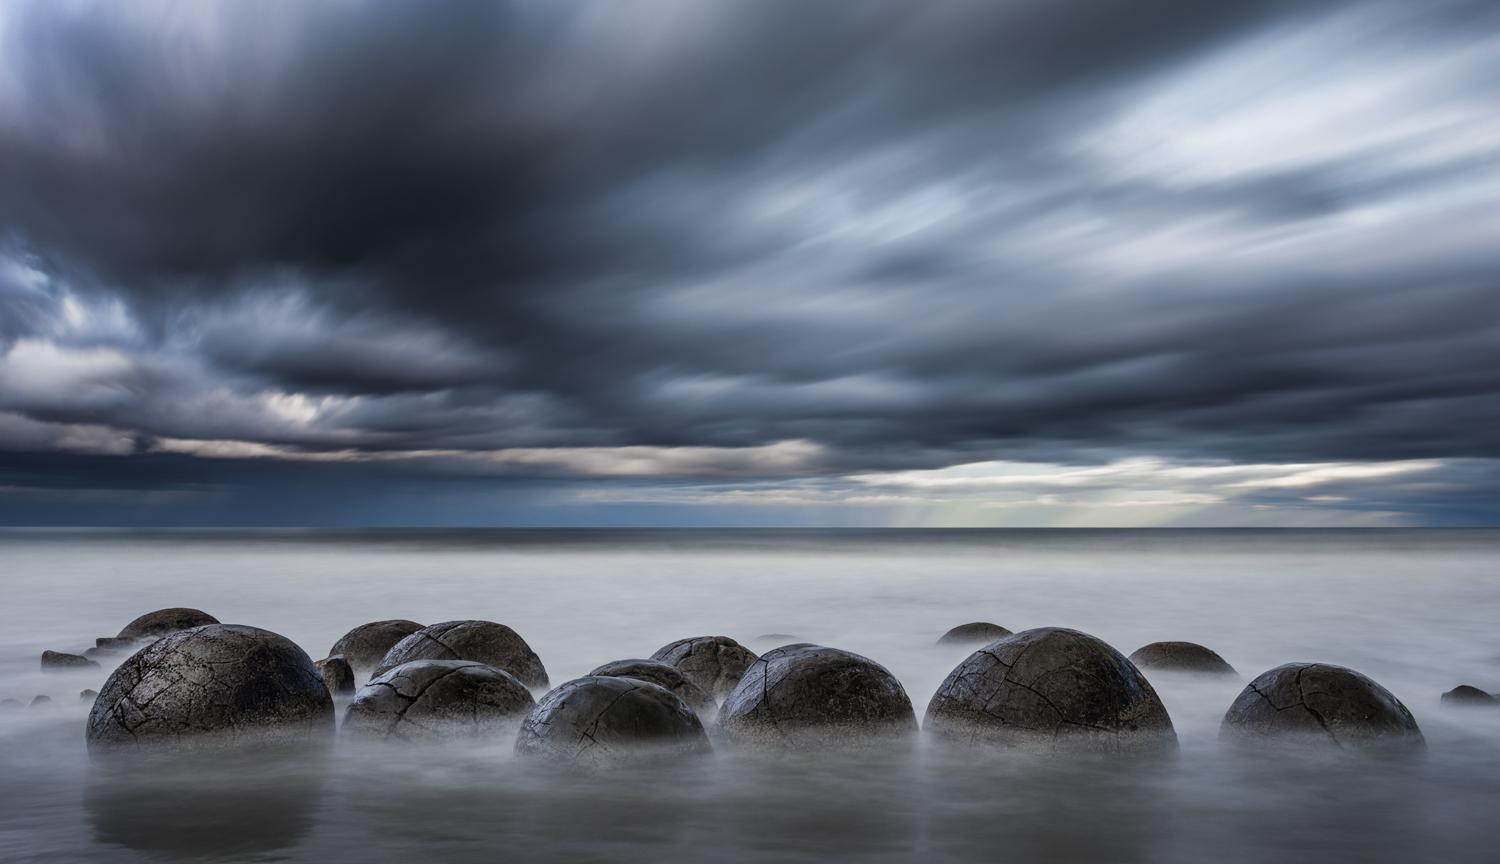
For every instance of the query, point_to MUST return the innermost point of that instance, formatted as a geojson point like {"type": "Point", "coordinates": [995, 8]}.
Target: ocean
{"type": "Point", "coordinates": [1417, 610]}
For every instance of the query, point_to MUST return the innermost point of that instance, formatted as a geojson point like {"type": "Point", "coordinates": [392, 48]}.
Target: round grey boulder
{"type": "Point", "coordinates": [480, 641]}
{"type": "Point", "coordinates": [164, 621]}
{"type": "Point", "coordinates": [808, 695]}
{"type": "Point", "coordinates": [663, 675]}
{"type": "Point", "coordinates": [597, 721]}
{"type": "Point", "coordinates": [337, 675]}
{"type": "Point", "coordinates": [1321, 704]}
{"type": "Point", "coordinates": [366, 645]}
{"type": "Point", "coordinates": [977, 633]}
{"type": "Point", "coordinates": [430, 699]}
{"type": "Point", "coordinates": [1050, 687]}
{"type": "Point", "coordinates": [714, 663]}
{"type": "Point", "coordinates": [1181, 657]}
{"type": "Point", "coordinates": [217, 684]}
{"type": "Point", "coordinates": [1464, 696]}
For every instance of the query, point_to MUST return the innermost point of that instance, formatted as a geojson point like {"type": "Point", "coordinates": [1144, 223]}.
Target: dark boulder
{"type": "Point", "coordinates": [480, 641]}
{"type": "Point", "coordinates": [597, 721]}
{"type": "Point", "coordinates": [1464, 696]}
{"type": "Point", "coordinates": [366, 645]}
{"type": "Point", "coordinates": [55, 661]}
{"type": "Point", "coordinates": [714, 663]}
{"type": "Point", "coordinates": [164, 621]}
{"type": "Point", "coordinates": [809, 695]}
{"type": "Point", "coordinates": [1181, 657]}
{"type": "Point", "coordinates": [977, 633]}
{"type": "Point", "coordinates": [428, 699]}
{"type": "Point", "coordinates": [663, 675]}
{"type": "Point", "coordinates": [337, 675]}
{"type": "Point", "coordinates": [1322, 704]}
{"type": "Point", "coordinates": [217, 684]}
{"type": "Point", "coordinates": [114, 644]}
{"type": "Point", "coordinates": [1052, 687]}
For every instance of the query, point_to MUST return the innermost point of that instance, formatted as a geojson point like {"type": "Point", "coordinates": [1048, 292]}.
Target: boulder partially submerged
{"type": "Point", "coordinates": [366, 645]}
{"type": "Point", "coordinates": [597, 721]}
{"type": "Point", "coordinates": [164, 621]}
{"type": "Point", "coordinates": [1181, 657]}
{"type": "Point", "coordinates": [976, 633]}
{"type": "Point", "coordinates": [57, 661]}
{"type": "Point", "coordinates": [807, 695]}
{"type": "Point", "coordinates": [663, 675]}
{"type": "Point", "coordinates": [481, 641]}
{"type": "Point", "coordinates": [1324, 705]}
{"type": "Point", "coordinates": [714, 663]}
{"type": "Point", "coordinates": [1050, 687]}
{"type": "Point", "coordinates": [429, 699]}
{"type": "Point", "coordinates": [1465, 696]}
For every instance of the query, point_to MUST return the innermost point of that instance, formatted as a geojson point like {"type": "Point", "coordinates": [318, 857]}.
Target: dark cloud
{"type": "Point", "coordinates": [912, 235]}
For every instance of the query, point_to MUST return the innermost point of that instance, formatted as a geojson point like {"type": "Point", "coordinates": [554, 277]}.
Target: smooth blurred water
{"type": "Point", "coordinates": [1416, 610]}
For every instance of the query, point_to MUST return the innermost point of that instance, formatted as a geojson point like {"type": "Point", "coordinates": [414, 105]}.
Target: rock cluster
{"type": "Point", "coordinates": [1181, 657]}
{"type": "Point", "coordinates": [480, 641]}
{"type": "Point", "coordinates": [807, 695]}
{"type": "Point", "coordinates": [428, 699]}
{"type": "Point", "coordinates": [714, 663]}
{"type": "Point", "coordinates": [663, 675]}
{"type": "Point", "coordinates": [1322, 704]}
{"type": "Point", "coordinates": [597, 721]}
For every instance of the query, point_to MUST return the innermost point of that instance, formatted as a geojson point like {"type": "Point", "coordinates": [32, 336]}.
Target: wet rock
{"type": "Point", "coordinates": [714, 663]}
{"type": "Point", "coordinates": [42, 701]}
{"type": "Point", "coordinates": [87, 695]}
{"type": "Point", "coordinates": [1322, 704]}
{"type": "Point", "coordinates": [1181, 657]}
{"type": "Point", "coordinates": [10, 704]}
{"type": "Point", "coordinates": [663, 675]}
{"type": "Point", "coordinates": [113, 644]}
{"type": "Point", "coordinates": [1052, 687]}
{"type": "Point", "coordinates": [1464, 696]}
{"type": "Point", "coordinates": [54, 661]}
{"type": "Point", "coordinates": [427, 699]}
{"type": "Point", "coordinates": [597, 721]}
{"type": "Point", "coordinates": [480, 641]}
{"type": "Point", "coordinates": [164, 621]}
{"type": "Point", "coordinates": [219, 684]}
{"type": "Point", "coordinates": [977, 633]}
{"type": "Point", "coordinates": [808, 695]}
{"type": "Point", "coordinates": [337, 675]}
{"type": "Point", "coordinates": [366, 645]}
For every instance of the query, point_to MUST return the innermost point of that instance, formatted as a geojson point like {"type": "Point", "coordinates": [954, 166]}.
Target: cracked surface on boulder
{"type": "Point", "coordinates": [714, 663]}
{"type": "Point", "coordinates": [597, 720]}
{"type": "Point", "coordinates": [1053, 687]}
{"type": "Point", "coordinates": [366, 645]}
{"type": "Point", "coordinates": [1322, 703]}
{"type": "Point", "coordinates": [219, 683]}
{"type": "Point", "coordinates": [977, 633]}
{"type": "Point", "coordinates": [809, 695]}
{"type": "Point", "coordinates": [664, 675]}
{"type": "Point", "coordinates": [480, 641]}
{"type": "Point", "coordinates": [429, 699]}
{"type": "Point", "coordinates": [1181, 657]}
{"type": "Point", "coordinates": [164, 621]}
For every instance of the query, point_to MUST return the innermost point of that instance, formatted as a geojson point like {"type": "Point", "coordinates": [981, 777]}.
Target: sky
{"type": "Point", "coordinates": [760, 263]}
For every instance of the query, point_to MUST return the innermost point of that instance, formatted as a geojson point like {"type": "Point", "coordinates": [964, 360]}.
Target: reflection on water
{"type": "Point", "coordinates": [1414, 610]}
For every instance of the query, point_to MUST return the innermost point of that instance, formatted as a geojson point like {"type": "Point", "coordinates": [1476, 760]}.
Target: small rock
{"type": "Point", "coordinates": [481, 641]}
{"type": "Point", "coordinates": [714, 663]}
{"type": "Point", "coordinates": [1464, 696]}
{"type": "Point", "coordinates": [113, 643]}
{"type": "Point", "coordinates": [337, 674]}
{"type": "Point", "coordinates": [597, 721]}
{"type": "Point", "coordinates": [164, 621]}
{"type": "Point", "coordinates": [366, 645]}
{"type": "Point", "coordinates": [663, 675]}
{"type": "Point", "coordinates": [42, 701]}
{"type": "Point", "coordinates": [1181, 657]}
{"type": "Point", "coordinates": [53, 661]}
{"type": "Point", "coordinates": [1323, 704]}
{"type": "Point", "coordinates": [428, 699]}
{"type": "Point", "coordinates": [87, 695]}
{"type": "Point", "coordinates": [977, 633]}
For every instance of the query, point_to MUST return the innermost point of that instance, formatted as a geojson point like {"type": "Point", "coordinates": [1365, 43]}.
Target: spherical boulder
{"type": "Point", "coordinates": [337, 674]}
{"type": "Point", "coordinates": [663, 675]}
{"type": "Point", "coordinates": [596, 721]}
{"type": "Point", "coordinates": [1321, 704]}
{"type": "Point", "coordinates": [808, 695]}
{"type": "Point", "coordinates": [429, 699]}
{"type": "Point", "coordinates": [480, 641]}
{"type": "Point", "coordinates": [164, 621]}
{"type": "Point", "coordinates": [1181, 657]}
{"type": "Point", "coordinates": [1464, 696]}
{"type": "Point", "coordinates": [1051, 687]}
{"type": "Point", "coordinates": [366, 645]}
{"type": "Point", "coordinates": [714, 663]}
{"type": "Point", "coordinates": [216, 684]}
{"type": "Point", "coordinates": [977, 633]}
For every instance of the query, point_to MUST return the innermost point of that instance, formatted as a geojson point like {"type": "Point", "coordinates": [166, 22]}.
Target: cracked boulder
{"type": "Point", "coordinates": [596, 721]}
{"type": "Point", "coordinates": [977, 633]}
{"type": "Point", "coordinates": [217, 684]}
{"type": "Point", "coordinates": [663, 675]}
{"type": "Point", "coordinates": [1464, 696]}
{"type": "Point", "coordinates": [337, 675]}
{"type": "Point", "coordinates": [714, 663]}
{"type": "Point", "coordinates": [807, 695]}
{"type": "Point", "coordinates": [1181, 657]}
{"type": "Point", "coordinates": [1050, 687]}
{"type": "Point", "coordinates": [432, 699]}
{"type": "Point", "coordinates": [164, 621]}
{"type": "Point", "coordinates": [1321, 704]}
{"type": "Point", "coordinates": [480, 641]}
{"type": "Point", "coordinates": [56, 661]}
{"type": "Point", "coordinates": [366, 645]}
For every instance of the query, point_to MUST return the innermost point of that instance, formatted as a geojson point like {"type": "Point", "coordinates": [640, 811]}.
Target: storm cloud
{"type": "Point", "coordinates": [474, 260]}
